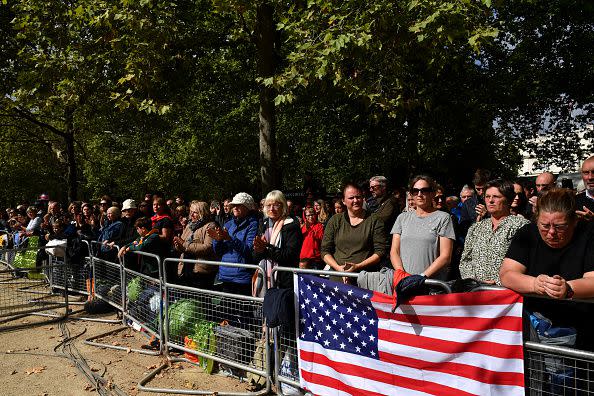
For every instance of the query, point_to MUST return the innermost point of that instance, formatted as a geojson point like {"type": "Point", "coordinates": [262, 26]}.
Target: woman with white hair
{"type": "Point", "coordinates": [280, 240]}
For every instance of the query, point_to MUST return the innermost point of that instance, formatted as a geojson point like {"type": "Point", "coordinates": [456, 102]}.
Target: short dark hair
{"type": "Point", "coordinates": [505, 187]}
{"type": "Point", "coordinates": [351, 185]}
{"type": "Point", "coordinates": [143, 222]}
{"type": "Point", "coordinates": [481, 176]}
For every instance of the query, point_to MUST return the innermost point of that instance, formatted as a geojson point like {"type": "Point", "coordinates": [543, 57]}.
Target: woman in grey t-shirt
{"type": "Point", "coordinates": [423, 239]}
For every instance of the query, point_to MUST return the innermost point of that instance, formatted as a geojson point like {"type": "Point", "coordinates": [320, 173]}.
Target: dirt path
{"type": "Point", "coordinates": [30, 366]}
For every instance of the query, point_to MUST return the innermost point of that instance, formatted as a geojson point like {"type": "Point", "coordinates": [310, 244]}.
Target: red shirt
{"type": "Point", "coordinates": [312, 241]}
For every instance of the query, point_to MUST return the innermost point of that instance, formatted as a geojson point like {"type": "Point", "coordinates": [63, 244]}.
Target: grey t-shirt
{"type": "Point", "coordinates": [419, 239]}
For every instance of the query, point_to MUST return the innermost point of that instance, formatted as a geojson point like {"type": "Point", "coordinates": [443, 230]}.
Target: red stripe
{"type": "Point", "coordinates": [512, 323]}
{"type": "Point", "coordinates": [494, 349]}
{"type": "Point", "coordinates": [475, 373]}
{"type": "Point", "coordinates": [371, 374]}
{"type": "Point", "coordinates": [488, 297]}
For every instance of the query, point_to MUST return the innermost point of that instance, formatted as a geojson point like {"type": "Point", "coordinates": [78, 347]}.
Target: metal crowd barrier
{"type": "Point", "coordinates": [26, 291]}
{"type": "Point", "coordinates": [555, 369]}
{"type": "Point", "coordinates": [285, 340]}
{"type": "Point", "coordinates": [142, 306]}
{"type": "Point", "coordinates": [107, 277]}
{"type": "Point", "coordinates": [205, 334]}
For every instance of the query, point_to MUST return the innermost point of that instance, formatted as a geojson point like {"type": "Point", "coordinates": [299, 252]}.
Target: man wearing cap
{"type": "Point", "coordinates": [129, 216]}
{"type": "Point", "coordinates": [234, 244]}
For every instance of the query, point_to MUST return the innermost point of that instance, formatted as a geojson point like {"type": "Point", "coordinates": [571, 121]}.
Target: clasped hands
{"type": "Point", "coordinates": [552, 286]}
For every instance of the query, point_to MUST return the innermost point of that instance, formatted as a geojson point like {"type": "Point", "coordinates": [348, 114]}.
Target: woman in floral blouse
{"type": "Point", "coordinates": [488, 239]}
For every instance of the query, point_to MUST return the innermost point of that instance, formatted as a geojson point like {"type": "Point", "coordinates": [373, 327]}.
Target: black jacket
{"type": "Point", "coordinates": [288, 254]}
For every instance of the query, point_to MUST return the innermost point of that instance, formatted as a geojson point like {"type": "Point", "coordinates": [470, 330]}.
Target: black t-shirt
{"type": "Point", "coordinates": [582, 200]}
{"type": "Point", "coordinates": [570, 262]}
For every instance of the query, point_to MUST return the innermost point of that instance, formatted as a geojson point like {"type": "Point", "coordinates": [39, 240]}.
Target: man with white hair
{"type": "Point", "coordinates": [585, 200]}
{"type": "Point", "coordinates": [387, 205]}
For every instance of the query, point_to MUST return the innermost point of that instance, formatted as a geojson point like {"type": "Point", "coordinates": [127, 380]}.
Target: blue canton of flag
{"type": "Point", "coordinates": [337, 316]}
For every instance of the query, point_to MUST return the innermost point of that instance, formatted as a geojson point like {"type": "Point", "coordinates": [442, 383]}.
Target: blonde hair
{"type": "Point", "coordinates": [323, 216]}
{"type": "Point", "coordinates": [278, 196]}
{"type": "Point", "coordinates": [201, 207]}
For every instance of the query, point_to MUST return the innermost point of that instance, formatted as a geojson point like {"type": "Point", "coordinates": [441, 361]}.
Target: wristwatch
{"type": "Point", "coordinates": [569, 293]}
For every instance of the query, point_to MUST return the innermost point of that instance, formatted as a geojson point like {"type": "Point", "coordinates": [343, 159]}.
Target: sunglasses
{"type": "Point", "coordinates": [423, 190]}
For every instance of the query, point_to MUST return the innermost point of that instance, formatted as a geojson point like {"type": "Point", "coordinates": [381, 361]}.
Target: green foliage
{"type": "Point", "coordinates": [166, 95]}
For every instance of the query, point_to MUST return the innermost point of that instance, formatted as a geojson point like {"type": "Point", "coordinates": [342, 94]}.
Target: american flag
{"type": "Point", "coordinates": [350, 342]}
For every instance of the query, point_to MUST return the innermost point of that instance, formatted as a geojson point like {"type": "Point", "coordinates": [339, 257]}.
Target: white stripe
{"type": "Point", "coordinates": [474, 311]}
{"type": "Point", "coordinates": [470, 358]}
{"type": "Point", "coordinates": [456, 335]}
{"type": "Point", "coordinates": [327, 391]}
{"type": "Point", "coordinates": [449, 380]}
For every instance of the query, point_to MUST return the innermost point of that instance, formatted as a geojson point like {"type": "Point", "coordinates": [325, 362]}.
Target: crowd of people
{"type": "Point", "coordinates": [535, 239]}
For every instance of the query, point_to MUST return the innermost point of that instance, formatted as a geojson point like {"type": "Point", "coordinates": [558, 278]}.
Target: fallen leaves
{"type": "Point", "coordinates": [35, 370]}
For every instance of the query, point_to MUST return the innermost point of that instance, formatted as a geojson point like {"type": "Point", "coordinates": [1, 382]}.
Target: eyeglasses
{"type": "Point", "coordinates": [423, 190]}
{"type": "Point", "coordinates": [375, 187]}
{"type": "Point", "coordinates": [556, 227]}
{"type": "Point", "coordinates": [275, 206]}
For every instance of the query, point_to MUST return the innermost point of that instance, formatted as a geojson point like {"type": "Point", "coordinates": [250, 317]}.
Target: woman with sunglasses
{"type": "Point", "coordinates": [554, 257]}
{"type": "Point", "coordinates": [423, 239]}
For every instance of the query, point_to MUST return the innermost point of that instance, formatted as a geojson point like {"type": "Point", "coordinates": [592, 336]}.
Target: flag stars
{"type": "Point", "coordinates": [319, 333]}
{"type": "Point", "coordinates": [363, 328]}
{"type": "Point", "coordinates": [328, 327]}
{"type": "Point", "coordinates": [307, 300]}
{"type": "Point", "coordinates": [372, 353]}
{"type": "Point", "coordinates": [321, 304]}
{"type": "Point", "coordinates": [371, 337]}
{"type": "Point", "coordinates": [349, 310]}
{"type": "Point", "coordinates": [342, 345]}
{"type": "Point", "coordinates": [341, 315]}
{"type": "Point", "coordinates": [334, 307]}
{"type": "Point", "coordinates": [326, 342]}
{"type": "Point", "coordinates": [334, 321]}
{"type": "Point", "coordinates": [314, 310]}
{"type": "Point", "coordinates": [350, 292]}
{"type": "Point", "coordinates": [321, 318]}
{"type": "Point", "coordinates": [358, 349]}
{"type": "Point", "coordinates": [315, 295]}
{"type": "Point", "coordinates": [350, 340]}
{"type": "Point", "coordinates": [335, 336]}
{"type": "Point", "coordinates": [327, 298]}
{"type": "Point", "coordinates": [372, 321]}
{"type": "Point", "coordinates": [356, 319]}
{"type": "Point", "coordinates": [356, 334]}
{"type": "Point", "coordinates": [365, 296]}
{"type": "Point", "coordinates": [327, 313]}
{"type": "Point", "coordinates": [348, 325]}
{"type": "Point", "coordinates": [310, 329]}
{"type": "Point", "coordinates": [308, 287]}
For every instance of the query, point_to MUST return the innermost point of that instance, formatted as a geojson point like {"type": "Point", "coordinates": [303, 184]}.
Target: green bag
{"type": "Point", "coordinates": [28, 258]}
{"type": "Point", "coordinates": [205, 340]}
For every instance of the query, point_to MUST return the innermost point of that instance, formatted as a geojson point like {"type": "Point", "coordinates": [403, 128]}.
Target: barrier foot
{"type": "Point", "coordinates": [90, 341]}
{"type": "Point", "coordinates": [142, 384]}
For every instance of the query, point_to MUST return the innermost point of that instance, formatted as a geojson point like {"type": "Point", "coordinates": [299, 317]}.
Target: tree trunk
{"type": "Point", "coordinates": [265, 39]}
{"type": "Point", "coordinates": [71, 173]}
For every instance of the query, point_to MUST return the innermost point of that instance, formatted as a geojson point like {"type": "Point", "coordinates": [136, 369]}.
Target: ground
{"type": "Point", "coordinates": [30, 366]}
